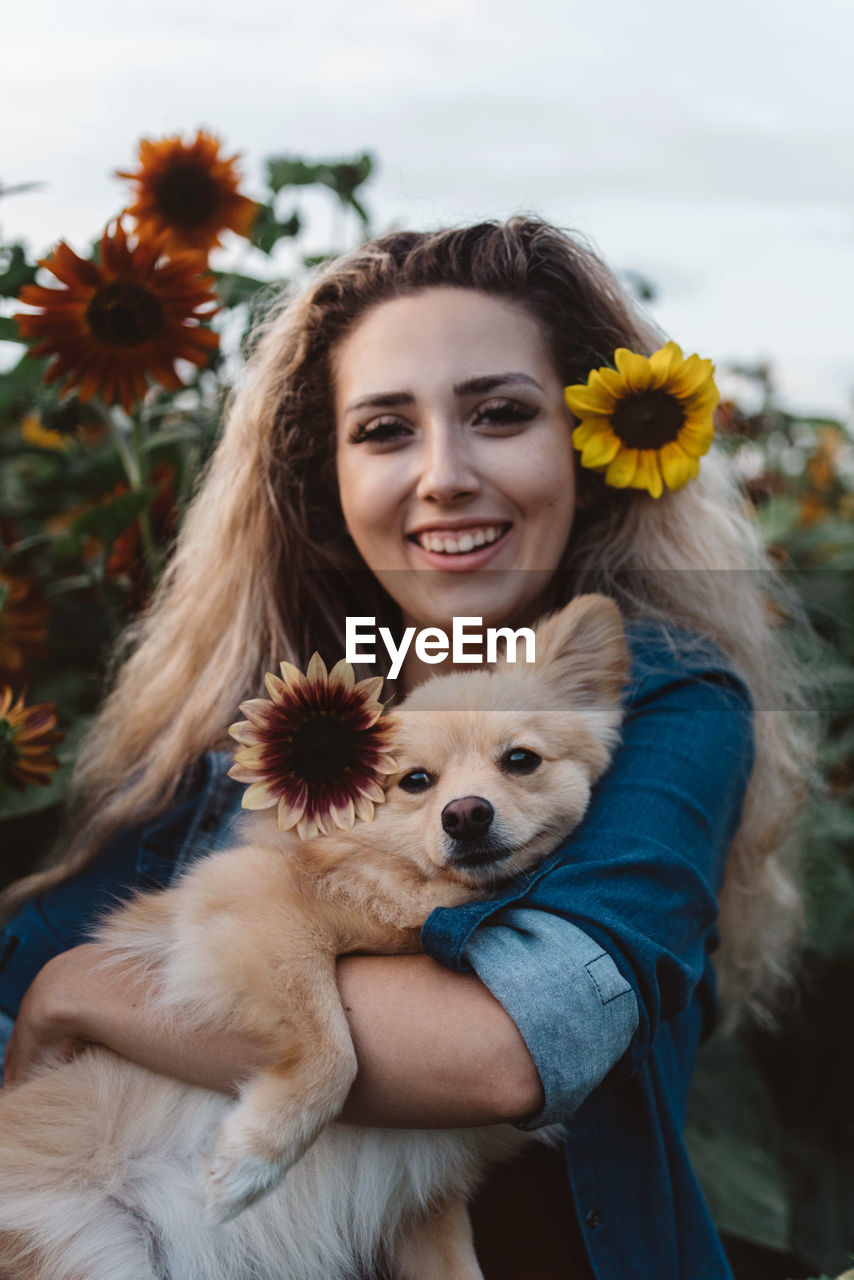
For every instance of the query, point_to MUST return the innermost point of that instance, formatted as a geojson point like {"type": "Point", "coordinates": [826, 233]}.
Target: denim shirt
{"type": "Point", "coordinates": [601, 954]}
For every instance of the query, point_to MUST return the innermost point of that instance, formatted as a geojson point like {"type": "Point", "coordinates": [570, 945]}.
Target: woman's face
{"type": "Point", "coordinates": [454, 455]}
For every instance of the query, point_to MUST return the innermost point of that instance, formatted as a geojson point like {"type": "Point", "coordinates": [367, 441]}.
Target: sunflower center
{"type": "Point", "coordinates": [323, 749]}
{"type": "Point", "coordinates": [186, 195]}
{"type": "Point", "coordinates": [123, 313]}
{"type": "Point", "coordinates": [648, 419]}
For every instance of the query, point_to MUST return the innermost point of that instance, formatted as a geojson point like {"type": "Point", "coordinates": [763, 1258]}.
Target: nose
{"type": "Point", "coordinates": [446, 467]}
{"type": "Point", "coordinates": [468, 818]}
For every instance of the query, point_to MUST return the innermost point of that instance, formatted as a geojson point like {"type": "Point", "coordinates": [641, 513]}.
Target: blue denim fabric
{"type": "Point", "coordinates": [575, 1010]}
{"type": "Point", "coordinates": [601, 954]}
{"type": "Point", "coordinates": [6, 1025]}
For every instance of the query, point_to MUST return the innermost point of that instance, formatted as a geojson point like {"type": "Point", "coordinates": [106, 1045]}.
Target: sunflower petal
{"type": "Point", "coordinates": [276, 688]}
{"type": "Point", "coordinates": [316, 672]}
{"type": "Point", "coordinates": [677, 466]}
{"type": "Point", "coordinates": [342, 675]}
{"type": "Point", "coordinates": [600, 449]}
{"type": "Point", "coordinates": [261, 795]}
{"type": "Point", "coordinates": [648, 475]}
{"type": "Point", "coordinates": [621, 470]}
{"type": "Point", "coordinates": [587, 428]}
{"type": "Point", "coordinates": [246, 732]}
{"type": "Point", "coordinates": [662, 361]}
{"type": "Point", "coordinates": [259, 711]}
{"type": "Point", "coordinates": [635, 369]}
{"type": "Point", "coordinates": [584, 400]}
{"type": "Point", "coordinates": [695, 438]}
{"type": "Point", "coordinates": [292, 677]}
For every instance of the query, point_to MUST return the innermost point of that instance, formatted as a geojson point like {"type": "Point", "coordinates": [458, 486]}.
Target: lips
{"type": "Point", "coordinates": [459, 541]}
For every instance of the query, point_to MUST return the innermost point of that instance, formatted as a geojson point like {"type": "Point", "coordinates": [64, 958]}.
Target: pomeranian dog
{"type": "Point", "coordinates": [109, 1171]}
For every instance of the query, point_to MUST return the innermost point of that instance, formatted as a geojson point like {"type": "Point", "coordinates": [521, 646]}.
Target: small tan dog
{"type": "Point", "coordinates": [110, 1172]}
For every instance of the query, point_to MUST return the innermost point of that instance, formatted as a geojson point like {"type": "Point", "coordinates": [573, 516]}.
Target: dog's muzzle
{"type": "Point", "coordinates": [467, 821]}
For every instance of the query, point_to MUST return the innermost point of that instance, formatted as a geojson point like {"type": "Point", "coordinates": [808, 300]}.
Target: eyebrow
{"type": "Point", "coordinates": [469, 387]}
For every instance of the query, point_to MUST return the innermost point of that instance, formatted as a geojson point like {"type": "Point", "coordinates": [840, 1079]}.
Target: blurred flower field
{"type": "Point", "coordinates": [119, 363]}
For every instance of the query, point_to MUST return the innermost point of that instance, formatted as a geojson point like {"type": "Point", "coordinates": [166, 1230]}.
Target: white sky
{"type": "Point", "coordinates": [708, 145]}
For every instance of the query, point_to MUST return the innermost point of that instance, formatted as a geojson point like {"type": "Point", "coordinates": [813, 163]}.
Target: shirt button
{"type": "Point", "coordinates": [593, 1218]}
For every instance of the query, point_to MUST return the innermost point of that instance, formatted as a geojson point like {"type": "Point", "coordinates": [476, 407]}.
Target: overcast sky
{"type": "Point", "coordinates": [709, 146]}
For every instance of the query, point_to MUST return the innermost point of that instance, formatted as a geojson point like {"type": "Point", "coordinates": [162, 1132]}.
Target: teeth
{"type": "Point", "coordinates": [452, 544]}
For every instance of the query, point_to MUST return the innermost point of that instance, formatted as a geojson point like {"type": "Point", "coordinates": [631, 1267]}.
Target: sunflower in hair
{"type": "Point", "coordinates": [647, 422]}
{"type": "Point", "coordinates": [317, 749]}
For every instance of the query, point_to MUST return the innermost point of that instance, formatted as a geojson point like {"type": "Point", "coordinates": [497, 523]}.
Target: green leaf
{"type": "Point", "coordinates": [9, 331]}
{"type": "Point", "coordinates": [16, 271]}
{"type": "Point", "coordinates": [285, 171]}
{"type": "Point", "coordinates": [234, 288]}
{"type": "Point", "coordinates": [108, 519]}
{"type": "Point", "coordinates": [731, 1138]}
{"type": "Point", "coordinates": [268, 230]}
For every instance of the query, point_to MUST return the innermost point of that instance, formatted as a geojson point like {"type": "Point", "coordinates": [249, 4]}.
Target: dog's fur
{"type": "Point", "coordinates": [111, 1172]}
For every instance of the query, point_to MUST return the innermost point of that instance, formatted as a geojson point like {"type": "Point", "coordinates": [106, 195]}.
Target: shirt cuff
{"type": "Point", "coordinates": [575, 1010]}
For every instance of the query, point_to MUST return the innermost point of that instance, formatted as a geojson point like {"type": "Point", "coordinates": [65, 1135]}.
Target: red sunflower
{"type": "Point", "coordinates": [27, 735]}
{"type": "Point", "coordinates": [318, 748]}
{"type": "Point", "coordinates": [188, 193]}
{"type": "Point", "coordinates": [117, 322]}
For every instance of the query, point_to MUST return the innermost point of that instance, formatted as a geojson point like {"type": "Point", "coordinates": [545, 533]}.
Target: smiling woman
{"type": "Point", "coordinates": [454, 453]}
{"type": "Point", "coordinates": [401, 447]}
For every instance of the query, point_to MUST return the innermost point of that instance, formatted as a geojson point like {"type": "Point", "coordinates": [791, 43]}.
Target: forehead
{"type": "Point", "coordinates": [439, 333]}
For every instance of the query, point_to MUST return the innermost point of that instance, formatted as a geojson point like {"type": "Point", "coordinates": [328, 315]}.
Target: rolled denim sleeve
{"type": "Point", "coordinates": [613, 933]}
{"type": "Point", "coordinates": [572, 1052]}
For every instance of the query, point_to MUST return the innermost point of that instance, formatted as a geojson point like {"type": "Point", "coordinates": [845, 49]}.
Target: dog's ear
{"type": "Point", "coordinates": [582, 651]}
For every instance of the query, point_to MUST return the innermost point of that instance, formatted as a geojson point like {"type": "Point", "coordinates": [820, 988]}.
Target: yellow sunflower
{"type": "Point", "coordinates": [120, 320]}
{"type": "Point", "coordinates": [318, 749]}
{"type": "Point", "coordinates": [187, 193]}
{"type": "Point", "coordinates": [649, 421]}
{"type": "Point", "coordinates": [27, 735]}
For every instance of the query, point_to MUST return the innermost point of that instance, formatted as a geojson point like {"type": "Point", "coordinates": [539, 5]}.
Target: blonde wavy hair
{"type": "Point", "coordinates": [263, 569]}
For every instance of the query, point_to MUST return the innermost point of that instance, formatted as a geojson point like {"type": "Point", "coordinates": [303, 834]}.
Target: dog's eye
{"type": "Point", "coordinates": [520, 760]}
{"type": "Point", "coordinates": [416, 780]}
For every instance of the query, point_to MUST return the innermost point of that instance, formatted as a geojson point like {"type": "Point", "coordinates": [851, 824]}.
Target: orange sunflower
{"type": "Point", "coordinates": [27, 735]}
{"type": "Point", "coordinates": [188, 193]}
{"type": "Point", "coordinates": [23, 624]}
{"type": "Point", "coordinates": [317, 749]}
{"type": "Point", "coordinates": [116, 322]}
{"type": "Point", "coordinates": [648, 422]}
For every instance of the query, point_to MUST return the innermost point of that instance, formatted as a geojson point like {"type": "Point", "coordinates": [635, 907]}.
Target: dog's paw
{"type": "Point", "coordinates": [234, 1181]}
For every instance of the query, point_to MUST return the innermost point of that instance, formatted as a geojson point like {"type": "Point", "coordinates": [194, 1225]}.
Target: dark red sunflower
{"type": "Point", "coordinates": [188, 193]}
{"type": "Point", "coordinates": [117, 322]}
{"type": "Point", "coordinates": [318, 748]}
{"type": "Point", "coordinates": [27, 736]}
{"type": "Point", "coordinates": [23, 624]}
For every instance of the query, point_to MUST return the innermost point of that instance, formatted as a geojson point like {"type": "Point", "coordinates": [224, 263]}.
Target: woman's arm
{"type": "Point", "coordinates": [435, 1048]}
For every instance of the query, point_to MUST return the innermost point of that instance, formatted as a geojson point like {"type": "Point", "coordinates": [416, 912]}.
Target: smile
{"type": "Point", "coordinates": [458, 542]}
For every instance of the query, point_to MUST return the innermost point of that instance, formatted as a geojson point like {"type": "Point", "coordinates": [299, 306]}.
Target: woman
{"type": "Point", "coordinates": [407, 414]}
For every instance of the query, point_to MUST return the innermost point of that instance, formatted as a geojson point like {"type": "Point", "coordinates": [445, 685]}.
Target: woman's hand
{"type": "Point", "coordinates": [76, 1001]}
{"type": "Point", "coordinates": [47, 1030]}
{"type": "Point", "coordinates": [434, 1048]}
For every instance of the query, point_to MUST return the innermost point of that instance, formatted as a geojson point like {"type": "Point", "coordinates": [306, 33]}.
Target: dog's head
{"type": "Point", "coordinates": [496, 766]}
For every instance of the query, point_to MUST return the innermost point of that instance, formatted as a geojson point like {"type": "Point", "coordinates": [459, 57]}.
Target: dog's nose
{"type": "Point", "coordinates": [467, 818]}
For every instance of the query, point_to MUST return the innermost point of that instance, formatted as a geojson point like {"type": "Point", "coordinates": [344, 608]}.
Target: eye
{"type": "Point", "coordinates": [520, 760]}
{"type": "Point", "coordinates": [416, 780]}
{"type": "Point", "coordinates": [382, 431]}
{"type": "Point", "coordinates": [504, 413]}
